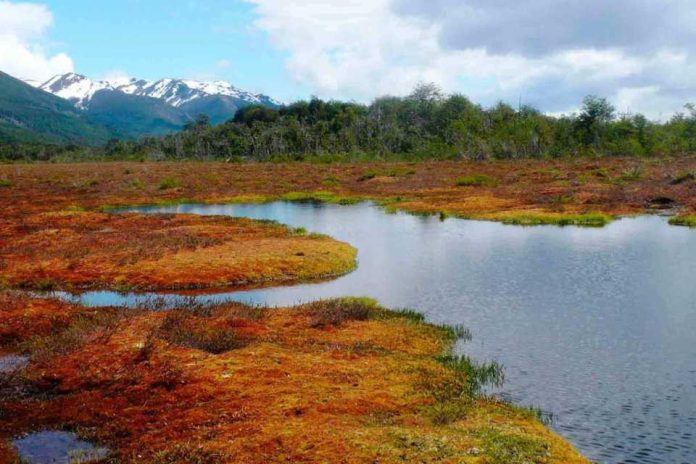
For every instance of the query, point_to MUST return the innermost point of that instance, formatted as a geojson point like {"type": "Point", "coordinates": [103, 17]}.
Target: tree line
{"type": "Point", "coordinates": [426, 124]}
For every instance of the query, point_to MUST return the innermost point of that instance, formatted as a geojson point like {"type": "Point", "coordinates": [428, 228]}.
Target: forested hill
{"type": "Point", "coordinates": [424, 125]}
{"type": "Point", "coordinates": [29, 115]}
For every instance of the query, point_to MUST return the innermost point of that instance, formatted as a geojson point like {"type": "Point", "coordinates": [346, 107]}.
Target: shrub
{"type": "Point", "coordinates": [367, 175]}
{"type": "Point", "coordinates": [84, 327]}
{"type": "Point", "coordinates": [683, 177]}
{"type": "Point", "coordinates": [168, 183]}
{"type": "Point", "coordinates": [180, 328]}
{"type": "Point", "coordinates": [632, 174]}
{"type": "Point", "coordinates": [335, 312]}
{"type": "Point", "coordinates": [476, 180]}
{"type": "Point", "coordinates": [5, 183]}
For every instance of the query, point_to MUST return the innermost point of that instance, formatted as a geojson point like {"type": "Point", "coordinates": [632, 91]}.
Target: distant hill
{"type": "Point", "coordinates": [72, 108]}
{"type": "Point", "coordinates": [218, 108]}
{"type": "Point", "coordinates": [28, 114]}
{"type": "Point", "coordinates": [219, 100]}
{"type": "Point", "coordinates": [131, 116]}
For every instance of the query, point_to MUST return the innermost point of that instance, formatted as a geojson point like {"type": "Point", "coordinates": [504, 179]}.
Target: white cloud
{"type": "Point", "coordinates": [23, 53]}
{"type": "Point", "coordinates": [362, 49]}
{"type": "Point", "coordinates": [116, 77]}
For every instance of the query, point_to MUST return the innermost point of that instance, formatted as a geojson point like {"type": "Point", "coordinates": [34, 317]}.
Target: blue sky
{"type": "Point", "coordinates": [641, 55]}
{"type": "Point", "coordinates": [152, 39]}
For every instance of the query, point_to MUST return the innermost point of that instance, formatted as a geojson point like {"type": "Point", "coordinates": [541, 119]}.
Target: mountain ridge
{"type": "Point", "coordinates": [28, 114]}
{"type": "Point", "coordinates": [80, 90]}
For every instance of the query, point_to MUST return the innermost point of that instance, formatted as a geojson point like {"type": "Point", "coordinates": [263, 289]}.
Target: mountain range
{"type": "Point", "coordinates": [29, 115]}
{"type": "Point", "coordinates": [97, 110]}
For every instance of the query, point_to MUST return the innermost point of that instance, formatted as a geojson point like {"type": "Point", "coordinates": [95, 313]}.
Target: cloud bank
{"type": "Point", "coordinates": [23, 51]}
{"type": "Point", "coordinates": [549, 53]}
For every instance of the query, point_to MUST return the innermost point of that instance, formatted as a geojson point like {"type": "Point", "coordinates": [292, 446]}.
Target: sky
{"type": "Point", "coordinates": [640, 54]}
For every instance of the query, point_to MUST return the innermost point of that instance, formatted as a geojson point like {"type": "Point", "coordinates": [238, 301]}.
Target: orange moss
{"type": "Point", "coordinates": [98, 250]}
{"type": "Point", "coordinates": [577, 186]}
{"type": "Point", "coordinates": [293, 392]}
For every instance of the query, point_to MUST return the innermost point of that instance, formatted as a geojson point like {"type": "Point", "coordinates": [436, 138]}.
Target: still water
{"type": "Point", "coordinates": [595, 326]}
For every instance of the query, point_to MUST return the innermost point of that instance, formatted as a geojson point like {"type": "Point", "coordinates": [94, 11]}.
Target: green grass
{"type": "Point", "coordinates": [368, 175]}
{"type": "Point", "coordinates": [632, 174]}
{"type": "Point", "coordinates": [319, 197]}
{"type": "Point", "coordinates": [684, 177]}
{"type": "Point", "coordinates": [476, 180]}
{"type": "Point", "coordinates": [685, 221]}
{"type": "Point", "coordinates": [168, 183]}
{"type": "Point", "coordinates": [512, 448]}
{"type": "Point", "coordinates": [5, 183]}
{"type": "Point", "coordinates": [331, 180]}
{"type": "Point", "coordinates": [559, 219]}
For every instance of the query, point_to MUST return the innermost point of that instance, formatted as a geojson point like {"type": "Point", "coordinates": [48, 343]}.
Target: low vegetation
{"type": "Point", "coordinates": [687, 221]}
{"type": "Point", "coordinates": [579, 192]}
{"type": "Point", "coordinates": [232, 383]}
{"type": "Point", "coordinates": [90, 250]}
{"type": "Point", "coordinates": [476, 180]}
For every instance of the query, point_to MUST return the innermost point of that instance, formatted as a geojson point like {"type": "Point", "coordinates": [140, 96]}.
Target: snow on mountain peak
{"type": "Point", "coordinates": [176, 92]}
{"type": "Point", "coordinates": [74, 87]}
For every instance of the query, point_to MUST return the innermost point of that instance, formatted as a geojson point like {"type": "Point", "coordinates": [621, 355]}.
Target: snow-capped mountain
{"type": "Point", "coordinates": [175, 92]}
{"type": "Point", "coordinates": [178, 92]}
{"type": "Point", "coordinates": [75, 88]}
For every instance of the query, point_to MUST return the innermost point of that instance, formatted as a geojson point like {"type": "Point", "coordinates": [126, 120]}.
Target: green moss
{"type": "Point", "coordinates": [685, 221]}
{"type": "Point", "coordinates": [512, 448]}
{"type": "Point", "coordinates": [331, 180]}
{"type": "Point", "coordinates": [367, 175]}
{"type": "Point", "coordinates": [319, 197]}
{"type": "Point", "coordinates": [168, 183]}
{"type": "Point", "coordinates": [476, 180]}
{"type": "Point", "coordinates": [559, 219]}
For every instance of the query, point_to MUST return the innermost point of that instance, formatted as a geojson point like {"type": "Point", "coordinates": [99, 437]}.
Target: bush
{"type": "Point", "coordinates": [168, 183]}
{"type": "Point", "coordinates": [183, 329]}
{"type": "Point", "coordinates": [335, 312]}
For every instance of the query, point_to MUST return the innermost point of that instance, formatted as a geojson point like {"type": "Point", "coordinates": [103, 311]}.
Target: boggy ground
{"type": "Point", "coordinates": [92, 250]}
{"type": "Point", "coordinates": [581, 191]}
{"type": "Point", "coordinates": [339, 381]}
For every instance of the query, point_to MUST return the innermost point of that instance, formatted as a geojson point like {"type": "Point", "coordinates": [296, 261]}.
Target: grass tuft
{"type": "Point", "coordinates": [334, 313]}
{"type": "Point", "coordinates": [187, 453]}
{"type": "Point", "coordinates": [685, 221]}
{"type": "Point", "coordinates": [512, 448]}
{"type": "Point", "coordinates": [558, 219]}
{"type": "Point", "coordinates": [183, 329]}
{"type": "Point", "coordinates": [168, 183]}
{"type": "Point", "coordinates": [476, 180]}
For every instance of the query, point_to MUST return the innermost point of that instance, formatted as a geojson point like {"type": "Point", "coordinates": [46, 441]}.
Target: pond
{"type": "Point", "coordinates": [595, 326]}
{"type": "Point", "coordinates": [57, 447]}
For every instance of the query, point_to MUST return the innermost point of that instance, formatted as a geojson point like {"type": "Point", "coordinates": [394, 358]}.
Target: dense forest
{"type": "Point", "coordinates": [424, 125]}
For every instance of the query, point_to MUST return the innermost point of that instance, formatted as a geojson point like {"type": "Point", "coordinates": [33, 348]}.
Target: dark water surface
{"type": "Point", "coordinates": [57, 447]}
{"type": "Point", "coordinates": [596, 326]}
